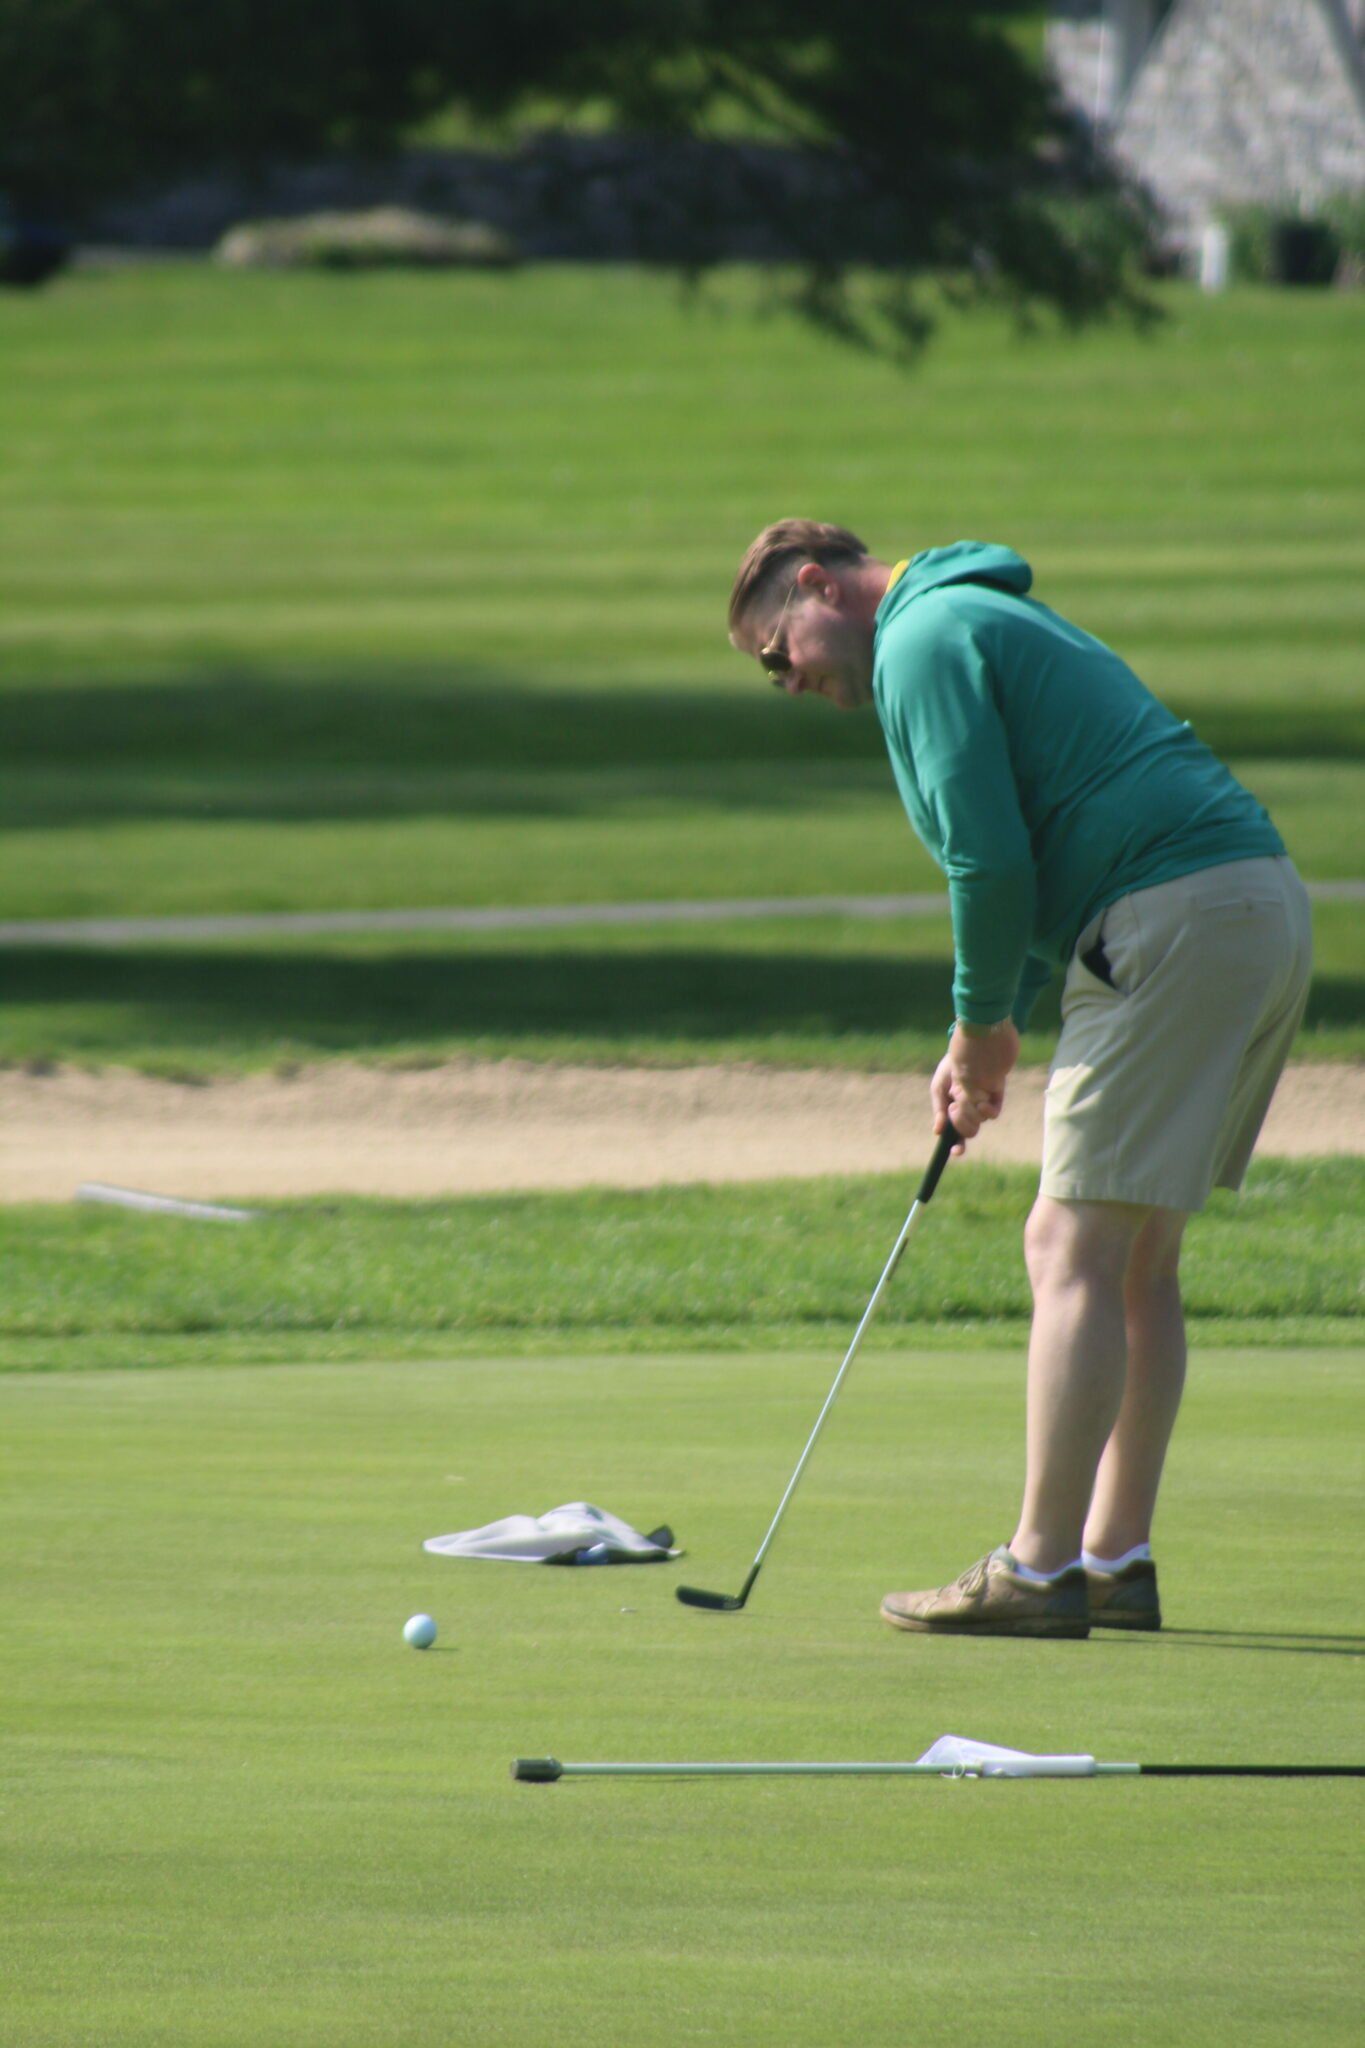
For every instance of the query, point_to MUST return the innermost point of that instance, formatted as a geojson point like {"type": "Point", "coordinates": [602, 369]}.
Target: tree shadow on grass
{"type": "Point", "coordinates": [376, 1000]}
{"type": "Point", "coordinates": [1335, 1001]}
{"type": "Point", "coordinates": [232, 741]}
{"type": "Point", "coordinates": [374, 745]}
{"type": "Point", "coordinates": [327, 1002]}
{"type": "Point", "coordinates": [48, 801]}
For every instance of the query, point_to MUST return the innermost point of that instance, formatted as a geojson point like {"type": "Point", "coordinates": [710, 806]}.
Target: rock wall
{"type": "Point", "coordinates": [562, 198]}
{"type": "Point", "coordinates": [1235, 102]}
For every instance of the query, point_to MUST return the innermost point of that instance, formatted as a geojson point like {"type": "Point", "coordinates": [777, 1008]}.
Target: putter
{"type": "Point", "coordinates": [731, 1603]}
{"type": "Point", "coordinates": [547, 1770]}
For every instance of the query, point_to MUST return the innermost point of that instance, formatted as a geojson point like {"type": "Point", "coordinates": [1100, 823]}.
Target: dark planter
{"type": "Point", "coordinates": [29, 252]}
{"type": "Point", "coordinates": [1303, 252]}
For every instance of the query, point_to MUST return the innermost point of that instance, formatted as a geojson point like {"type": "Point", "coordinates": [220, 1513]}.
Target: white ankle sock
{"type": "Point", "coordinates": [1115, 1564]}
{"type": "Point", "coordinates": [1026, 1571]}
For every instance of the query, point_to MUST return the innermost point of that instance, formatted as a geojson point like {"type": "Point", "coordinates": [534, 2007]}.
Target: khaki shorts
{"type": "Point", "coordinates": [1161, 1081]}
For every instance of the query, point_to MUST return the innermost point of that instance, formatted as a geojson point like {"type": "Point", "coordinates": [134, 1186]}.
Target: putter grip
{"type": "Point", "coordinates": [934, 1171]}
{"type": "Point", "coordinates": [537, 1770]}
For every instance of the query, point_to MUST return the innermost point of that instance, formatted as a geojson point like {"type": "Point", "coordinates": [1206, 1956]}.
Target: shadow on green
{"type": "Point", "coordinates": [249, 744]}
{"type": "Point", "coordinates": [1286, 1642]}
{"type": "Point", "coordinates": [332, 1000]}
{"type": "Point", "coordinates": [227, 721]}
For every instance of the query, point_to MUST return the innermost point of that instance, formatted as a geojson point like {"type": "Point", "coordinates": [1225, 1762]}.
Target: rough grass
{"type": "Point", "coordinates": [239, 1810]}
{"type": "Point", "coordinates": [647, 1271]}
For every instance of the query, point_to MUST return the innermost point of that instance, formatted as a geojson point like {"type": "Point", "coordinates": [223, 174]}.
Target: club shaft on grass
{"type": "Point", "coordinates": [933, 1174]}
{"type": "Point", "coordinates": [547, 1770]}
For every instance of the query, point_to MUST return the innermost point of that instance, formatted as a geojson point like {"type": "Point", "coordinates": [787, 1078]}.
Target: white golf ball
{"type": "Point", "coordinates": [420, 1631]}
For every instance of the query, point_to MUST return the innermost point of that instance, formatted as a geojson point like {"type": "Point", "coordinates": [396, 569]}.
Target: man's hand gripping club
{"type": "Point", "coordinates": [969, 1086]}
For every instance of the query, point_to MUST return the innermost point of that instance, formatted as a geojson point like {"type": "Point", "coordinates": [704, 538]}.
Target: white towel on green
{"type": "Point", "coordinates": [958, 1756]}
{"type": "Point", "coordinates": [577, 1533]}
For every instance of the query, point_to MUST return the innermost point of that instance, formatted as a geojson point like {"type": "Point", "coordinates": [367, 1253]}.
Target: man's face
{"type": "Point", "coordinates": [829, 649]}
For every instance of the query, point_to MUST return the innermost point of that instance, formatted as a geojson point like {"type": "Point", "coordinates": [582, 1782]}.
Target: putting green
{"type": "Point", "coordinates": [239, 1809]}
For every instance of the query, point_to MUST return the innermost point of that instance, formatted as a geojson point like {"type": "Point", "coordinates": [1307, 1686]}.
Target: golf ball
{"type": "Point", "coordinates": [420, 1631]}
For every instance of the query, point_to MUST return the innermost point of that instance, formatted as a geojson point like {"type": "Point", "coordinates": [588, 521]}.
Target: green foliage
{"type": "Point", "coordinates": [97, 96]}
{"type": "Point", "coordinates": [1345, 216]}
{"type": "Point", "coordinates": [1249, 238]}
{"type": "Point", "coordinates": [1273, 245]}
{"type": "Point", "coordinates": [1115, 229]}
{"type": "Point", "coordinates": [933, 117]}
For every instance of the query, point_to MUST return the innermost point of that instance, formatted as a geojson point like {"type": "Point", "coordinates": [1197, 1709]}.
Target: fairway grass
{"type": "Point", "coordinates": [388, 592]}
{"type": "Point", "coordinates": [381, 593]}
{"type": "Point", "coordinates": [796, 992]}
{"type": "Point", "coordinates": [549, 476]}
{"type": "Point", "coordinates": [238, 1810]}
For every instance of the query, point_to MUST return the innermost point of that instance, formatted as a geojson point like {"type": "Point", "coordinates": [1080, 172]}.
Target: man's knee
{"type": "Point", "coordinates": [1066, 1242]}
{"type": "Point", "coordinates": [1154, 1266]}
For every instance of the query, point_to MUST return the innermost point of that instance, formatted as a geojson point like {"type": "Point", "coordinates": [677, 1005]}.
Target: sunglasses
{"type": "Point", "coordinates": [775, 660]}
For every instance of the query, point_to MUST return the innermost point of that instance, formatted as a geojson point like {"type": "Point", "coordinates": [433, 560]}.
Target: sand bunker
{"type": "Point", "coordinates": [478, 1127]}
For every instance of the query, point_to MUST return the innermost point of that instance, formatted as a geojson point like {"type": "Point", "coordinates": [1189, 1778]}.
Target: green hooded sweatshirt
{"type": "Point", "coordinates": [1042, 776]}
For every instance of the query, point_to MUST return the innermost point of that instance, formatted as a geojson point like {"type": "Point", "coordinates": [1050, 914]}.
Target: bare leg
{"type": "Point", "coordinates": [1130, 1470]}
{"type": "Point", "coordinates": [1078, 1255]}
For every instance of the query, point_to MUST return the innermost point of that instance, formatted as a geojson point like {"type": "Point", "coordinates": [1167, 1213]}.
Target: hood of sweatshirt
{"type": "Point", "coordinates": [966, 561]}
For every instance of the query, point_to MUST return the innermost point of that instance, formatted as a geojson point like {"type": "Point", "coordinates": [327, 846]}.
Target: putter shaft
{"type": "Point", "coordinates": [725, 1603]}
{"type": "Point", "coordinates": [547, 1770]}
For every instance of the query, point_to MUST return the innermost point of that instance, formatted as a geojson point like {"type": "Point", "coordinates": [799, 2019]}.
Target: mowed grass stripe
{"type": "Point", "coordinates": [311, 572]}
{"type": "Point", "coordinates": [133, 535]}
{"type": "Point", "coordinates": [294, 604]}
{"type": "Point", "coordinates": [418, 397]}
{"type": "Point", "coordinates": [1145, 595]}
{"type": "Point", "coordinates": [820, 993]}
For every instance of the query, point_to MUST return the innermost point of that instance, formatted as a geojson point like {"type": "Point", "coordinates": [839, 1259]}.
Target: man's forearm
{"type": "Point", "coordinates": [992, 928]}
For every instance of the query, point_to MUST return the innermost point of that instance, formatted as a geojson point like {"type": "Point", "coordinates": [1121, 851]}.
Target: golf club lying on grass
{"type": "Point", "coordinates": [547, 1770]}
{"type": "Point", "coordinates": [730, 1603]}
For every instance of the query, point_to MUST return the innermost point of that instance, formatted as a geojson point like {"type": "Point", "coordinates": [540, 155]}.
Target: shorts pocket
{"type": "Point", "coordinates": [1121, 936]}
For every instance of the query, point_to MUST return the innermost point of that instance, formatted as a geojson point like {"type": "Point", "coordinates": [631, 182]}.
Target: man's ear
{"type": "Point", "coordinates": [813, 578]}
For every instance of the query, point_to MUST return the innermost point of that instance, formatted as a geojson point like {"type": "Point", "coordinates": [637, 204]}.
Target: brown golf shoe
{"type": "Point", "coordinates": [991, 1599]}
{"type": "Point", "coordinates": [1126, 1599]}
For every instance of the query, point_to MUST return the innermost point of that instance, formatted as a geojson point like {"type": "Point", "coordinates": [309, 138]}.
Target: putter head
{"type": "Point", "coordinates": [720, 1603]}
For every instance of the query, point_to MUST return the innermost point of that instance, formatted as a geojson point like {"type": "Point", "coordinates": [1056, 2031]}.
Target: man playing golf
{"type": "Point", "coordinates": [1084, 831]}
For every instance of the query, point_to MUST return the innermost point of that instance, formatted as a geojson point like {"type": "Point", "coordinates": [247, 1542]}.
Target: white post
{"type": "Point", "coordinates": [1214, 247]}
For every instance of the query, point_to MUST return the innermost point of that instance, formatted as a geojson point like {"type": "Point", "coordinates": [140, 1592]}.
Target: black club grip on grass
{"type": "Point", "coordinates": [934, 1172]}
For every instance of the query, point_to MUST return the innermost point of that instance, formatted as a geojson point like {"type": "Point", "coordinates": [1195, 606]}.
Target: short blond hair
{"type": "Point", "coordinates": [786, 545]}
